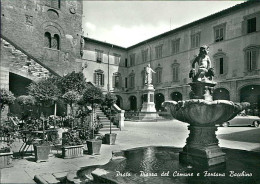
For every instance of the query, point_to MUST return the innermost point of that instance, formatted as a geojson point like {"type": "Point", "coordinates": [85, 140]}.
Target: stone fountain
{"type": "Point", "coordinates": [202, 114]}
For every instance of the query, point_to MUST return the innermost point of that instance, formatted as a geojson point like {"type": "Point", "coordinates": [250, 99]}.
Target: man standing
{"type": "Point", "coordinates": [148, 74]}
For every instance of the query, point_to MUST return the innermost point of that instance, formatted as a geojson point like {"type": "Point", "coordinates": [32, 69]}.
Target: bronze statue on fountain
{"type": "Point", "coordinates": [202, 114]}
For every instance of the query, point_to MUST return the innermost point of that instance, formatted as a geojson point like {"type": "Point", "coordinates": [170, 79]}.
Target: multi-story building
{"type": "Point", "coordinates": [233, 36]}
{"type": "Point", "coordinates": [43, 37]}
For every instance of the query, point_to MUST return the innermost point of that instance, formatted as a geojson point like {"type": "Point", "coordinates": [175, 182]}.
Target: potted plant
{"type": "Point", "coordinates": [110, 99]}
{"type": "Point", "coordinates": [72, 145]}
{"type": "Point", "coordinates": [7, 98]}
{"type": "Point", "coordinates": [94, 96]}
{"type": "Point", "coordinates": [70, 98]}
{"type": "Point", "coordinates": [42, 147]}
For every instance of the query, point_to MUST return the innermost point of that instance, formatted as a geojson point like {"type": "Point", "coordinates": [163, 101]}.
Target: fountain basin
{"type": "Point", "coordinates": [199, 112]}
{"type": "Point", "coordinates": [161, 165]}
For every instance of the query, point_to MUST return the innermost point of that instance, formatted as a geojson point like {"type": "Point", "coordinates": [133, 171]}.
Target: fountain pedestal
{"type": "Point", "coordinates": [148, 111]}
{"type": "Point", "coordinates": [202, 148]}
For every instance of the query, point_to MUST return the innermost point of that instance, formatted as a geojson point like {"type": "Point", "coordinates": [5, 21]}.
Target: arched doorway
{"type": "Point", "coordinates": [119, 101]}
{"type": "Point", "coordinates": [159, 99]}
{"type": "Point", "coordinates": [221, 94]}
{"type": "Point", "coordinates": [251, 94]}
{"type": "Point", "coordinates": [133, 103]}
{"type": "Point", "coordinates": [176, 96]}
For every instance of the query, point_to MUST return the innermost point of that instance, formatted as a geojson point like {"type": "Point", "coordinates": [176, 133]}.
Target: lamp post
{"type": "Point", "coordinates": [108, 87]}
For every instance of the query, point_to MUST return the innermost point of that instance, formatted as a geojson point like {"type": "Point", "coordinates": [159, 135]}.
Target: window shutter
{"type": "Point", "coordinates": [244, 28]}
{"type": "Point", "coordinates": [248, 60]}
{"type": "Point", "coordinates": [254, 60]}
{"type": "Point", "coordinates": [120, 81]}
{"type": "Point", "coordinates": [173, 73]}
{"type": "Point", "coordinates": [95, 78]}
{"type": "Point", "coordinates": [113, 81]}
{"type": "Point", "coordinates": [102, 79]}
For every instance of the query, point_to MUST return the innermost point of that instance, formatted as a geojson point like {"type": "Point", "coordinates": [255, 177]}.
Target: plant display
{"type": "Point", "coordinates": [26, 100]}
{"type": "Point", "coordinates": [110, 99]}
{"type": "Point", "coordinates": [70, 98]}
{"type": "Point", "coordinates": [44, 91]}
{"type": "Point", "coordinates": [6, 98]}
{"type": "Point", "coordinates": [93, 95]}
{"type": "Point", "coordinates": [73, 81]}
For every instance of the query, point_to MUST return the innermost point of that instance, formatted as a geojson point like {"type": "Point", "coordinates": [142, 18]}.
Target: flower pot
{"type": "Point", "coordinates": [94, 146]}
{"type": "Point", "coordinates": [110, 138]}
{"type": "Point", "coordinates": [72, 151]}
{"type": "Point", "coordinates": [41, 152]}
{"type": "Point", "coordinates": [6, 160]}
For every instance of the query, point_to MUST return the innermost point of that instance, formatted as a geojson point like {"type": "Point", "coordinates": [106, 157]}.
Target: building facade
{"type": "Point", "coordinates": [44, 37]}
{"type": "Point", "coordinates": [233, 36]}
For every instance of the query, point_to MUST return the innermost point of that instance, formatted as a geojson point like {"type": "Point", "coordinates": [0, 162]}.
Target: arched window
{"type": "Point", "coordinates": [56, 42]}
{"type": "Point", "coordinates": [47, 40]}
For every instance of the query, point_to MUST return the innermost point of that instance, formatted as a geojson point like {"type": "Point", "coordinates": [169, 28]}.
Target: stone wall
{"type": "Point", "coordinates": [25, 22]}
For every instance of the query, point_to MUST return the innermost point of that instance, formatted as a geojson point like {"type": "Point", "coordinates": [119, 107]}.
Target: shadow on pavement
{"type": "Point", "coordinates": [252, 136]}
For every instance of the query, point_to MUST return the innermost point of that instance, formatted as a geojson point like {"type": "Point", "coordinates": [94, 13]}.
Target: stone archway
{"type": "Point", "coordinates": [221, 94]}
{"type": "Point", "coordinates": [119, 101]}
{"type": "Point", "coordinates": [159, 99]}
{"type": "Point", "coordinates": [133, 103]}
{"type": "Point", "coordinates": [176, 96]}
{"type": "Point", "coordinates": [251, 94]}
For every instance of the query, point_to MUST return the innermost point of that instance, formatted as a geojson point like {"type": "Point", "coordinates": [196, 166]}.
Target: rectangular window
{"type": "Point", "coordinates": [144, 55]}
{"type": "Point", "coordinates": [117, 59]}
{"type": "Point", "coordinates": [158, 76]}
{"type": "Point", "coordinates": [132, 59]}
{"type": "Point", "coordinates": [195, 40]}
{"type": "Point", "coordinates": [99, 79]}
{"type": "Point", "coordinates": [221, 66]}
{"type": "Point", "coordinates": [132, 81]}
{"type": "Point", "coordinates": [99, 56]}
{"type": "Point", "coordinates": [175, 46]}
{"type": "Point", "coordinates": [117, 81]}
{"type": "Point", "coordinates": [219, 33]}
{"type": "Point", "coordinates": [251, 25]}
{"type": "Point", "coordinates": [175, 73]}
{"type": "Point", "coordinates": [158, 51]}
{"type": "Point", "coordinates": [126, 82]}
{"type": "Point", "coordinates": [125, 62]}
{"type": "Point", "coordinates": [251, 60]}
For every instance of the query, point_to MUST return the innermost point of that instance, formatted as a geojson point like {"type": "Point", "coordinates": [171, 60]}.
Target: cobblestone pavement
{"type": "Point", "coordinates": [135, 134]}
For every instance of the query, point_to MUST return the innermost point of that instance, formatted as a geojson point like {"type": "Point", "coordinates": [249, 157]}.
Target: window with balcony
{"type": "Point", "coordinates": [175, 46]}
{"type": "Point", "coordinates": [99, 56]}
{"type": "Point", "coordinates": [158, 52]}
{"type": "Point", "coordinates": [195, 40]}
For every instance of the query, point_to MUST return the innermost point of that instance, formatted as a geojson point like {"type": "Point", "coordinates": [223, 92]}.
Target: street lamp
{"type": "Point", "coordinates": [108, 69]}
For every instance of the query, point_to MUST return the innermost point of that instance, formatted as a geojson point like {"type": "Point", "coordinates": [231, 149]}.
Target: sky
{"type": "Point", "coordinates": [126, 23]}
